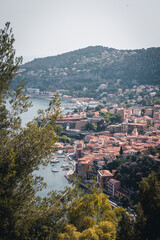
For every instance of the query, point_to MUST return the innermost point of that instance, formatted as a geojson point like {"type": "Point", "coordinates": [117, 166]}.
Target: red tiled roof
{"type": "Point", "coordinates": [84, 162]}
{"type": "Point", "coordinates": [105, 173]}
{"type": "Point", "coordinates": [114, 171]}
{"type": "Point", "coordinates": [114, 180]}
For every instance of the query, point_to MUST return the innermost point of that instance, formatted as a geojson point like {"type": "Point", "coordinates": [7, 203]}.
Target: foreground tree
{"type": "Point", "coordinates": [22, 150]}
{"type": "Point", "coordinates": [125, 230]}
{"type": "Point", "coordinates": [148, 209]}
{"type": "Point", "coordinates": [145, 224]}
{"type": "Point", "coordinates": [91, 217]}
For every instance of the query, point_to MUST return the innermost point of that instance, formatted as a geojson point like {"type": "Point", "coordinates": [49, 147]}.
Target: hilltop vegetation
{"type": "Point", "coordinates": [93, 69]}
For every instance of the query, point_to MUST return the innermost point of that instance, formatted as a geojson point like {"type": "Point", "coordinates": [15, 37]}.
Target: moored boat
{"type": "Point", "coordinates": [54, 160]}
{"type": "Point", "coordinates": [65, 168]}
{"type": "Point", "coordinates": [59, 151]}
{"type": "Point", "coordinates": [64, 165]}
{"type": "Point", "coordinates": [54, 170]}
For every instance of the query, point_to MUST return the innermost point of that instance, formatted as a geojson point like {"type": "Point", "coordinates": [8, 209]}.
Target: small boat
{"type": "Point", "coordinates": [52, 164]}
{"type": "Point", "coordinates": [59, 152]}
{"type": "Point", "coordinates": [61, 156]}
{"type": "Point", "coordinates": [55, 160]}
{"type": "Point", "coordinates": [64, 165]}
{"type": "Point", "coordinates": [65, 160]}
{"type": "Point", "coordinates": [65, 168]}
{"type": "Point", "coordinates": [54, 170]}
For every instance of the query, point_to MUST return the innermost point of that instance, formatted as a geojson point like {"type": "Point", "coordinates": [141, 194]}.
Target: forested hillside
{"type": "Point", "coordinates": [83, 71]}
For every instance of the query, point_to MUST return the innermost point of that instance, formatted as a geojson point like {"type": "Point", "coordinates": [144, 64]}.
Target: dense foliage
{"type": "Point", "coordinates": [23, 215]}
{"type": "Point", "coordinates": [148, 210]}
{"type": "Point", "coordinates": [146, 224]}
{"type": "Point", "coordinates": [135, 167]}
{"type": "Point", "coordinates": [96, 126]}
{"type": "Point", "coordinates": [114, 165]}
{"type": "Point", "coordinates": [111, 118]}
{"type": "Point", "coordinates": [91, 217]}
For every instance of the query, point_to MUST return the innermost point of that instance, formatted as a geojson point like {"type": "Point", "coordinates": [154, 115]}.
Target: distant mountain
{"type": "Point", "coordinates": [83, 71]}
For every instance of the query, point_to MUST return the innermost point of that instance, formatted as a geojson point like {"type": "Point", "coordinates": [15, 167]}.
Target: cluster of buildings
{"type": "Point", "coordinates": [137, 118]}
{"type": "Point", "coordinates": [35, 92]}
{"type": "Point", "coordinates": [95, 152]}
{"type": "Point", "coordinates": [138, 131]}
{"type": "Point", "coordinates": [135, 121]}
{"type": "Point", "coordinates": [74, 102]}
{"type": "Point", "coordinates": [136, 94]}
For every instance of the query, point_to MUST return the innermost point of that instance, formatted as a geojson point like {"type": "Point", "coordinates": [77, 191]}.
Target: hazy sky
{"type": "Point", "coordinates": [50, 27]}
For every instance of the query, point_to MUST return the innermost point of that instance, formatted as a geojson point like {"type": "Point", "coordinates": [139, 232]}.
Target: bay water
{"type": "Point", "coordinates": [54, 180]}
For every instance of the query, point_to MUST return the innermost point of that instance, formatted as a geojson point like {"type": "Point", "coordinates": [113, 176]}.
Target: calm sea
{"type": "Point", "coordinates": [38, 103]}
{"type": "Point", "coordinates": [54, 180]}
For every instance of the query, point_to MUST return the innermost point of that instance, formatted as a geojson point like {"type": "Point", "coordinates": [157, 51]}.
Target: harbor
{"type": "Point", "coordinates": [57, 174]}
{"type": "Point", "coordinates": [65, 163]}
{"type": "Point", "coordinates": [54, 180]}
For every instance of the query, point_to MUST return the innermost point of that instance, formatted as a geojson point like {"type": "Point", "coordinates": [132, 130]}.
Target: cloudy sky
{"type": "Point", "coordinates": [50, 27]}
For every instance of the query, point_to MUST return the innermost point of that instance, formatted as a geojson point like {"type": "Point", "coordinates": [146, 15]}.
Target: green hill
{"type": "Point", "coordinates": [81, 72]}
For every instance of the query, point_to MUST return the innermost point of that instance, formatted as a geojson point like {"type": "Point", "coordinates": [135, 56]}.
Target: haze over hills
{"type": "Point", "coordinates": [87, 71]}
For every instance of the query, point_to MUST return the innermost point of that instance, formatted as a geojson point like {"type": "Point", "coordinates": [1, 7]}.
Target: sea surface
{"type": "Point", "coordinates": [39, 103]}
{"type": "Point", "coordinates": [54, 180]}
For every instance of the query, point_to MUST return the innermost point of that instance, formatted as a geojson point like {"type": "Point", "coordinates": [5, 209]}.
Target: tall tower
{"type": "Point", "coordinates": [135, 132]}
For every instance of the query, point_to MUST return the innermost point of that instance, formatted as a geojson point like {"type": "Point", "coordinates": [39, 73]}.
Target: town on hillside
{"type": "Point", "coordinates": [102, 138]}
{"type": "Point", "coordinates": [114, 139]}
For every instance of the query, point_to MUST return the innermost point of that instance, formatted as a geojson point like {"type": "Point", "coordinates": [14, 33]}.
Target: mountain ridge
{"type": "Point", "coordinates": [84, 70]}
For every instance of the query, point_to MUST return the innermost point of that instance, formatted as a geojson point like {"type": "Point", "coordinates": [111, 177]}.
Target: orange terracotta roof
{"type": "Point", "coordinates": [84, 162]}
{"type": "Point", "coordinates": [114, 180]}
{"type": "Point", "coordinates": [114, 171]}
{"type": "Point", "coordinates": [105, 173]}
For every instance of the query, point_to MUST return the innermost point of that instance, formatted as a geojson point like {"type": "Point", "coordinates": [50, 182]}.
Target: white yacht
{"type": "Point", "coordinates": [54, 170]}
{"type": "Point", "coordinates": [54, 160]}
